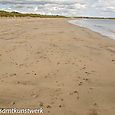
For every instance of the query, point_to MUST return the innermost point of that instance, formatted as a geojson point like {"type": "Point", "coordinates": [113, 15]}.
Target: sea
{"type": "Point", "coordinates": [106, 27]}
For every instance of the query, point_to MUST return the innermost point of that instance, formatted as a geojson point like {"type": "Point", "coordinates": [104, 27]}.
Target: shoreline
{"type": "Point", "coordinates": [91, 29]}
{"type": "Point", "coordinates": [56, 65]}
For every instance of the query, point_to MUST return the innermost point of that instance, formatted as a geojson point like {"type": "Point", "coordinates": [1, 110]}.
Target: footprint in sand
{"type": "Point", "coordinates": [41, 104]}
{"type": "Point", "coordinates": [62, 99]}
{"type": "Point", "coordinates": [58, 63]}
{"type": "Point", "coordinates": [75, 92]}
{"type": "Point", "coordinates": [27, 73]}
{"type": "Point", "coordinates": [47, 76]}
{"type": "Point", "coordinates": [23, 82]}
{"type": "Point", "coordinates": [91, 88]}
{"type": "Point", "coordinates": [113, 61]}
{"type": "Point", "coordinates": [84, 68]}
{"type": "Point", "coordinates": [85, 79]}
{"type": "Point", "coordinates": [56, 81]}
{"type": "Point", "coordinates": [12, 75]}
{"type": "Point", "coordinates": [87, 73]}
{"type": "Point", "coordinates": [93, 112]}
{"type": "Point", "coordinates": [48, 106]}
{"type": "Point", "coordinates": [81, 83]}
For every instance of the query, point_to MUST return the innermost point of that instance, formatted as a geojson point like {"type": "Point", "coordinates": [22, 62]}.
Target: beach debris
{"type": "Point", "coordinates": [41, 104]}
{"type": "Point", "coordinates": [35, 74]}
{"type": "Point", "coordinates": [13, 103]}
{"type": "Point", "coordinates": [34, 96]}
{"type": "Point", "coordinates": [60, 106]}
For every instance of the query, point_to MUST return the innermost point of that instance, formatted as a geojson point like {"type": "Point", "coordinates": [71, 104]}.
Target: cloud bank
{"type": "Point", "coordinates": [62, 7]}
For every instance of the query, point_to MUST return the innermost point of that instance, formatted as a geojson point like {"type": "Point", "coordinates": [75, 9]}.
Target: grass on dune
{"type": "Point", "coordinates": [17, 14]}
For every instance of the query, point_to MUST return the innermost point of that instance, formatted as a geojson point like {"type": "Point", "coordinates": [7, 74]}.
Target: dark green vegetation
{"type": "Point", "coordinates": [17, 14]}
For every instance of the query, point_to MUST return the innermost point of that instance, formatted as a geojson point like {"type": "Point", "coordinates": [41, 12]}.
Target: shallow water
{"type": "Point", "coordinates": [105, 27]}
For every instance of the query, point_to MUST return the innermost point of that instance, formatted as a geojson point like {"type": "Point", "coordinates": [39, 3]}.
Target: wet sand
{"type": "Point", "coordinates": [50, 63]}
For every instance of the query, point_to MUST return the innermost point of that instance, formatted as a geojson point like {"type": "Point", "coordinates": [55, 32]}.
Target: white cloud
{"type": "Point", "coordinates": [62, 7]}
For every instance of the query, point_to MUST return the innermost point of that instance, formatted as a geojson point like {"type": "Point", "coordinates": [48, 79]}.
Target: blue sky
{"type": "Point", "coordinates": [101, 8]}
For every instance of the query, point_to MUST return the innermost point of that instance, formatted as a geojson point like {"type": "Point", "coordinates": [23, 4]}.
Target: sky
{"type": "Point", "coordinates": [100, 8]}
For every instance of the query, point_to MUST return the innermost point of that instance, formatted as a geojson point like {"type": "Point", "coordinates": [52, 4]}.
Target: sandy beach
{"type": "Point", "coordinates": [50, 63]}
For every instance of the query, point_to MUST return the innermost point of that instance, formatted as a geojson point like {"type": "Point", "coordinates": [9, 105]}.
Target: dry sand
{"type": "Point", "coordinates": [65, 69]}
